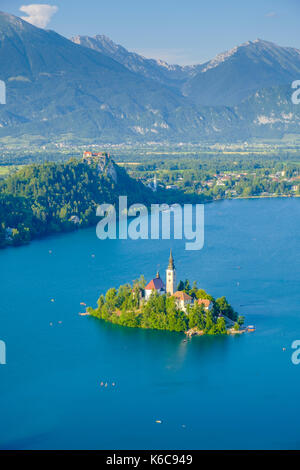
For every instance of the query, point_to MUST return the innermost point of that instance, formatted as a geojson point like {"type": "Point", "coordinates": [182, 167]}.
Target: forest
{"type": "Point", "coordinates": [41, 199]}
{"type": "Point", "coordinates": [126, 306]}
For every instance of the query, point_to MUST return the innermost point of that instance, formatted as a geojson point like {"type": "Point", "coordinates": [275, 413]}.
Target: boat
{"type": "Point", "coordinates": [251, 328]}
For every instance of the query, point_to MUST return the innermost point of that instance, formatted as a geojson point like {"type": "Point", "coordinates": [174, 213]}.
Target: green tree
{"type": "Point", "coordinates": [221, 326]}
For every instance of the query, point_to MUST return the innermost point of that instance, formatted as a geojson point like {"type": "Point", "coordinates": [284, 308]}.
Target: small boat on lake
{"type": "Point", "coordinates": [251, 328]}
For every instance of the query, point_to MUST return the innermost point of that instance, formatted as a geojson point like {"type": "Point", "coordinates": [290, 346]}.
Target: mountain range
{"type": "Point", "coordinates": [89, 89]}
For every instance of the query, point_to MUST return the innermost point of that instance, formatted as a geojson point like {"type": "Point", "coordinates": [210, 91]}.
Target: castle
{"type": "Point", "coordinates": [101, 158]}
{"type": "Point", "coordinates": [103, 161]}
{"type": "Point", "coordinates": [182, 298]}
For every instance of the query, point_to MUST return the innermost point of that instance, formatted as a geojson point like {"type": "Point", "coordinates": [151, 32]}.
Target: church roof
{"type": "Point", "coordinates": [182, 295]}
{"type": "Point", "coordinates": [155, 284]}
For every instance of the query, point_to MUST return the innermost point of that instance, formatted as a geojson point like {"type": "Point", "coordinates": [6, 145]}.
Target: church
{"type": "Point", "coordinates": [157, 285]}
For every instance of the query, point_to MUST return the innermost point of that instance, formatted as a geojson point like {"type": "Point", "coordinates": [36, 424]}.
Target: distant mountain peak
{"type": "Point", "coordinates": [10, 21]}
{"type": "Point", "coordinates": [219, 59]}
{"type": "Point", "coordinates": [254, 50]}
{"type": "Point", "coordinates": [158, 70]}
{"type": "Point", "coordinates": [98, 39]}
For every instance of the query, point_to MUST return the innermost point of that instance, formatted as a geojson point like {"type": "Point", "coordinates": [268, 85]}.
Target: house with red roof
{"type": "Point", "coordinates": [155, 285]}
{"type": "Point", "coordinates": [182, 299]}
{"type": "Point", "coordinates": [207, 304]}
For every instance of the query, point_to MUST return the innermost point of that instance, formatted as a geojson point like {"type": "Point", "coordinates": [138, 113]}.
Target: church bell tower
{"type": "Point", "coordinates": [171, 276]}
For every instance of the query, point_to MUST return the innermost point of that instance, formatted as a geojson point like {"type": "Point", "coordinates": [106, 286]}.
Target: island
{"type": "Point", "coordinates": [162, 306]}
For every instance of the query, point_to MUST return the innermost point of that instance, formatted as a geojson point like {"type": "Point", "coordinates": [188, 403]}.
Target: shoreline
{"type": "Point", "coordinates": [270, 196]}
{"type": "Point", "coordinates": [75, 229]}
{"type": "Point", "coordinates": [188, 333]}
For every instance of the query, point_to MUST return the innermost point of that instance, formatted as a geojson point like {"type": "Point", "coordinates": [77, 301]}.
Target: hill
{"type": "Point", "coordinates": [54, 197]}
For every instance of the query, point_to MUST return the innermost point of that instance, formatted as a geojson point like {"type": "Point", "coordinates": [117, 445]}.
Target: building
{"type": "Point", "coordinates": [74, 219]}
{"type": "Point", "coordinates": [101, 158]}
{"type": "Point", "coordinates": [182, 300]}
{"type": "Point", "coordinates": [171, 276]}
{"type": "Point", "coordinates": [207, 304]}
{"type": "Point", "coordinates": [155, 285]}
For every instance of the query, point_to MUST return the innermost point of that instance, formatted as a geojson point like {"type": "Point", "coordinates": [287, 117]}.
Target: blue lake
{"type": "Point", "coordinates": [210, 392]}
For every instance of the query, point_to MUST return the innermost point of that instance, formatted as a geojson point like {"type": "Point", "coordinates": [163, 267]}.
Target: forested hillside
{"type": "Point", "coordinates": [41, 199]}
{"type": "Point", "coordinates": [53, 197]}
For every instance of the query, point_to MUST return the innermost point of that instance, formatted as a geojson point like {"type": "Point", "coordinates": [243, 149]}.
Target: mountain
{"type": "Point", "coordinates": [269, 113]}
{"type": "Point", "coordinates": [170, 75]}
{"type": "Point", "coordinates": [59, 90]}
{"type": "Point", "coordinates": [56, 87]}
{"type": "Point", "coordinates": [225, 80]}
{"type": "Point", "coordinates": [236, 74]}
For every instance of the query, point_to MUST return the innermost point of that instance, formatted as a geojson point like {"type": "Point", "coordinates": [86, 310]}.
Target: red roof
{"type": "Point", "coordinates": [182, 295]}
{"type": "Point", "coordinates": [95, 154]}
{"type": "Point", "coordinates": [205, 302]}
{"type": "Point", "coordinates": [155, 284]}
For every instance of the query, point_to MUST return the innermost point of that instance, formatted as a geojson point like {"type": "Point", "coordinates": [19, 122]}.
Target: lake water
{"type": "Point", "coordinates": [210, 392]}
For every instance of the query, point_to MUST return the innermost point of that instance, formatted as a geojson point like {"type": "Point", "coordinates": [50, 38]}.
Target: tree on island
{"type": "Point", "coordinates": [180, 286]}
{"type": "Point", "coordinates": [187, 286]}
{"type": "Point", "coordinates": [126, 306]}
{"type": "Point", "coordinates": [224, 308]}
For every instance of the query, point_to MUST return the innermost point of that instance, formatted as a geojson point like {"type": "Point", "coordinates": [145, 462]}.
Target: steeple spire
{"type": "Point", "coordinates": [171, 261]}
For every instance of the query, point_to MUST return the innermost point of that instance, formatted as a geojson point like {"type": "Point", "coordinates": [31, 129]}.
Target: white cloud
{"type": "Point", "coordinates": [38, 15]}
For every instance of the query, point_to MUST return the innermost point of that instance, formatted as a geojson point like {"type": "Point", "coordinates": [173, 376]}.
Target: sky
{"type": "Point", "coordinates": [177, 31]}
